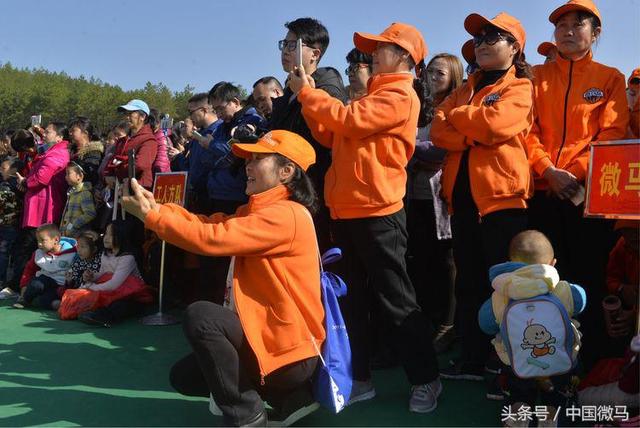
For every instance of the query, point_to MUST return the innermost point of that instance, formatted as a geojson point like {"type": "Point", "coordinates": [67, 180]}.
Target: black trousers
{"type": "Point", "coordinates": [223, 364]}
{"type": "Point", "coordinates": [374, 264]}
{"type": "Point", "coordinates": [430, 263]}
{"type": "Point", "coordinates": [213, 270]}
{"type": "Point", "coordinates": [41, 291]}
{"type": "Point", "coordinates": [23, 248]}
{"type": "Point", "coordinates": [581, 246]}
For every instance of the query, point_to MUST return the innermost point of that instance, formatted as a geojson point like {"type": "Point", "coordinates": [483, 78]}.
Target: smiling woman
{"type": "Point", "coordinates": [260, 344]}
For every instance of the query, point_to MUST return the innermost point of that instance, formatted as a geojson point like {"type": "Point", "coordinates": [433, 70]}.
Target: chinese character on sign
{"type": "Point", "coordinates": [573, 413]}
{"type": "Point", "coordinates": [541, 412]}
{"type": "Point", "coordinates": [507, 414]}
{"type": "Point", "coordinates": [589, 414]}
{"type": "Point", "coordinates": [605, 413]}
{"type": "Point", "coordinates": [610, 179]}
{"type": "Point", "coordinates": [524, 413]}
{"type": "Point", "coordinates": [621, 413]}
{"type": "Point", "coordinates": [634, 176]}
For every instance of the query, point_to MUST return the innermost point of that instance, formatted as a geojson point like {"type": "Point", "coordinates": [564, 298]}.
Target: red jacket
{"type": "Point", "coordinates": [622, 268]}
{"type": "Point", "coordinates": [145, 146]}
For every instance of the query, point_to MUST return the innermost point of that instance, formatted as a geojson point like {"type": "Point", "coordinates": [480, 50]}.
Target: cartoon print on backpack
{"type": "Point", "coordinates": [537, 338]}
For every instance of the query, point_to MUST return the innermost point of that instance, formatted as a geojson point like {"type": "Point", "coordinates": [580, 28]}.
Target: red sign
{"type": "Point", "coordinates": [170, 187]}
{"type": "Point", "coordinates": [613, 183]}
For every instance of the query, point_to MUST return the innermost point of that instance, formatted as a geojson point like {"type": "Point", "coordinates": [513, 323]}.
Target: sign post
{"type": "Point", "coordinates": [613, 180]}
{"type": "Point", "coordinates": [168, 187]}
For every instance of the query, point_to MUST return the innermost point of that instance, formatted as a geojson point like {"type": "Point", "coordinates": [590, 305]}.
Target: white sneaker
{"type": "Point", "coordinates": [361, 391]}
{"type": "Point", "coordinates": [213, 407]}
{"type": "Point", "coordinates": [7, 293]}
{"type": "Point", "coordinates": [424, 398]}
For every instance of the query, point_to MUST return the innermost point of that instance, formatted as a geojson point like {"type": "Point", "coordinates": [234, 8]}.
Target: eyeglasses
{"type": "Point", "coordinates": [288, 45]}
{"type": "Point", "coordinates": [491, 38]}
{"type": "Point", "coordinates": [219, 108]}
{"type": "Point", "coordinates": [195, 110]}
{"type": "Point", "coordinates": [355, 67]}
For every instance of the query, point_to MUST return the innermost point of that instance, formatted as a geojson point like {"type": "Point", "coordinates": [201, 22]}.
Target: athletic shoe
{"type": "Point", "coordinates": [20, 303]}
{"type": "Point", "coordinates": [462, 371]}
{"type": "Point", "coordinates": [8, 293]}
{"type": "Point", "coordinates": [297, 405]}
{"type": "Point", "coordinates": [424, 398]}
{"type": "Point", "coordinates": [94, 318]}
{"type": "Point", "coordinates": [361, 391]}
{"type": "Point", "coordinates": [496, 389]}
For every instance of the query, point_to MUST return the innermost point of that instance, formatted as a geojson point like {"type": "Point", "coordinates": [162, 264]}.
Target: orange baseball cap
{"type": "Point", "coordinates": [575, 5]}
{"type": "Point", "coordinates": [635, 74]}
{"type": "Point", "coordinates": [469, 52]}
{"type": "Point", "coordinates": [288, 144]}
{"type": "Point", "coordinates": [475, 22]}
{"type": "Point", "coordinates": [545, 47]}
{"type": "Point", "coordinates": [404, 35]}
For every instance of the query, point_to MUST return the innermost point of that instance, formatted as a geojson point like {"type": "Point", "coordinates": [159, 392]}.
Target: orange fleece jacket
{"type": "Point", "coordinates": [371, 142]}
{"type": "Point", "coordinates": [276, 279]}
{"type": "Point", "coordinates": [492, 124]}
{"type": "Point", "coordinates": [594, 99]}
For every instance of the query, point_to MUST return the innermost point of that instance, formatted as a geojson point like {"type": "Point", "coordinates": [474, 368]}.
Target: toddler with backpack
{"type": "Point", "coordinates": [531, 315]}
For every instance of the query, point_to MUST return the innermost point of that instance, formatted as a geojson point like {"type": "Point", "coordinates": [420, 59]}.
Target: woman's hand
{"type": "Point", "coordinates": [298, 79]}
{"type": "Point", "coordinates": [88, 276]}
{"type": "Point", "coordinates": [21, 182]}
{"type": "Point", "coordinates": [562, 183]}
{"type": "Point", "coordinates": [140, 202]}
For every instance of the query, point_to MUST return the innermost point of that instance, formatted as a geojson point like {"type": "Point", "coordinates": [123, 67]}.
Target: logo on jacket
{"type": "Point", "coordinates": [490, 99]}
{"type": "Point", "coordinates": [593, 95]}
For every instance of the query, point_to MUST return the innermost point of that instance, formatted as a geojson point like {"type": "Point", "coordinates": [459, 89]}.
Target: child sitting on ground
{"type": "Point", "coordinates": [116, 290]}
{"type": "Point", "coordinates": [46, 270]}
{"type": "Point", "coordinates": [88, 259]}
{"type": "Point", "coordinates": [530, 313]}
{"type": "Point", "coordinates": [80, 210]}
{"type": "Point", "coordinates": [10, 215]}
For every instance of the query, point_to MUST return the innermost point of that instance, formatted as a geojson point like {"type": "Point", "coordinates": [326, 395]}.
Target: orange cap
{"type": "Point", "coordinates": [288, 144]}
{"type": "Point", "coordinates": [469, 52]}
{"type": "Point", "coordinates": [545, 47]}
{"type": "Point", "coordinates": [575, 5]}
{"type": "Point", "coordinates": [404, 35]}
{"type": "Point", "coordinates": [474, 24]}
{"type": "Point", "coordinates": [635, 74]}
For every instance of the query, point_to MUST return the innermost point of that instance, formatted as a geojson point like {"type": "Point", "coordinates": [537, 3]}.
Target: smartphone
{"type": "Point", "coordinates": [166, 122]}
{"type": "Point", "coordinates": [196, 134]}
{"type": "Point", "coordinates": [298, 53]}
{"type": "Point", "coordinates": [36, 120]}
{"type": "Point", "coordinates": [131, 166]}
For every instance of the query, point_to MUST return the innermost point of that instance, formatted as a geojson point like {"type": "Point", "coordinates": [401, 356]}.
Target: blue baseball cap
{"type": "Point", "coordinates": [135, 105]}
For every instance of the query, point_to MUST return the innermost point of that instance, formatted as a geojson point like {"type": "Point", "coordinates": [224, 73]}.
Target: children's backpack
{"type": "Point", "coordinates": [333, 381]}
{"type": "Point", "coordinates": [538, 337]}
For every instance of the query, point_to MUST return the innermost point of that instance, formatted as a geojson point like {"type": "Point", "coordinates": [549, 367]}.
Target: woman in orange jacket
{"type": "Point", "coordinates": [486, 179]}
{"type": "Point", "coordinates": [577, 101]}
{"type": "Point", "coordinates": [372, 139]}
{"type": "Point", "coordinates": [261, 342]}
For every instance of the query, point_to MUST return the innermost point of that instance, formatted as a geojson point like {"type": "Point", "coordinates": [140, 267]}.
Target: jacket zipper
{"type": "Point", "coordinates": [566, 104]}
{"type": "Point", "coordinates": [473, 94]}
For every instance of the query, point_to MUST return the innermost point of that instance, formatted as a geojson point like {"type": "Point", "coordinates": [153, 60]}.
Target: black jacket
{"type": "Point", "coordinates": [288, 115]}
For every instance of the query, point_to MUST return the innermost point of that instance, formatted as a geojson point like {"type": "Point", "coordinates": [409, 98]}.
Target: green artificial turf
{"type": "Point", "coordinates": [65, 373]}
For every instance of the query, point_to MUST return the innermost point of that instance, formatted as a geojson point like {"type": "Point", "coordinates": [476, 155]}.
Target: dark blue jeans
{"type": "Point", "coordinates": [7, 237]}
{"type": "Point", "coordinates": [41, 291]}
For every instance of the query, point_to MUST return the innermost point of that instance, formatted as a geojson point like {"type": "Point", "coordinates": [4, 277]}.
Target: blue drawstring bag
{"type": "Point", "coordinates": [332, 385]}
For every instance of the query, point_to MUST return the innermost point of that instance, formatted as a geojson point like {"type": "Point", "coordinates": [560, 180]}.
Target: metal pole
{"type": "Point", "coordinates": [161, 277]}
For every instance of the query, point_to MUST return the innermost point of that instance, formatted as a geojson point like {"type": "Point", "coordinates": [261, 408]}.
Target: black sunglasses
{"type": "Point", "coordinates": [491, 38]}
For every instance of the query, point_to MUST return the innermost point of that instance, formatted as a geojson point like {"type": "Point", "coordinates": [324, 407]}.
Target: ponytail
{"type": "Point", "coordinates": [300, 186]}
{"type": "Point", "coordinates": [523, 68]}
{"type": "Point", "coordinates": [423, 90]}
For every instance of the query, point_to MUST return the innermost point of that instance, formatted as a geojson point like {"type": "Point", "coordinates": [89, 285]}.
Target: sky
{"type": "Point", "coordinates": [201, 42]}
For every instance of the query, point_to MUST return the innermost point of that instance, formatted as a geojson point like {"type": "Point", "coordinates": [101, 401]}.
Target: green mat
{"type": "Point", "coordinates": [65, 373]}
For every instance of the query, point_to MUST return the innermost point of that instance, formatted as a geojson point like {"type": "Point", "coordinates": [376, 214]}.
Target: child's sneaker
{"type": "Point", "coordinates": [361, 391]}
{"type": "Point", "coordinates": [424, 398]}
{"type": "Point", "coordinates": [8, 293]}
{"type": "Point", "coordinates": [463, 371]}
{"type": "Point", "coordinates": [496, 389]}
{"type": "Point", "coordinates": [20, 303]}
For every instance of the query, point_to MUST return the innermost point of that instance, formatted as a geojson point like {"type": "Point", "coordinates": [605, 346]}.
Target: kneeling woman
{"type": "Point", "coordinates": [260, 344]}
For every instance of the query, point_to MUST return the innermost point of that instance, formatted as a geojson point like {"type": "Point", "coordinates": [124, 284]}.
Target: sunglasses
{"type": "Point", "coordinates": [355, 67]}
{"type": "Point", "coordinates": [491, 38]}
{"type": "Point", "coordinates": [288, 45]}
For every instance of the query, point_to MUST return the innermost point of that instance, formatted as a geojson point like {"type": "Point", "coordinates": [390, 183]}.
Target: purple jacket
{"type": "Point", "coordinates": [46, 187]}
{"type": "Point", "coordinates": [161, 163]}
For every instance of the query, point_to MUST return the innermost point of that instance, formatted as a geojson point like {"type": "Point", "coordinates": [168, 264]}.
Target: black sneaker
{"type": "Point", "coordinates": [463, 371]}
{"type": "Point", "coordinates": [296, 406]}
{"type": "Point", "coordinates": [94, 318]}
{"type": "Point", "coordinates": [445, 337]}
{"type": "Point", "coordinates": [493, 366]}
{"type": "Point", "coordinates": [496, 388]}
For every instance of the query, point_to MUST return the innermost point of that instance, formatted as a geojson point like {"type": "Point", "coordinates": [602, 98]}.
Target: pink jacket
{"type": "Point", "coordinates": [46, 193]}
{"type": "Point", "coordinates": [162, 164]}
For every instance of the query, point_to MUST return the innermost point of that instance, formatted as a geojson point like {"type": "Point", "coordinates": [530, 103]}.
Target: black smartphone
{"type": "Point", "coordinates": [131, 166]}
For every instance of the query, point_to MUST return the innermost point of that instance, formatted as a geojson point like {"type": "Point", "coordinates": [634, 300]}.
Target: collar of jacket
{"type": "Point", "coordinates": [564, 64]}
{"type": "Point", "coordinates": [85, 185]}
{"type": "Point", "coordinates": [473, 79]}
{"type": "Point", "coordinates": [267, 197]}
{"type": "Point", "coordinates": [383, 79]}
{"type": "Point", "coordinates": [143, 134]}
{"type": "Point", "coordinates": [92, 146]}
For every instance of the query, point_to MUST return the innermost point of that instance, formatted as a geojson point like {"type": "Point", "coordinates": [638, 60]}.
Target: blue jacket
{"type": "Point", "coordinates": [197, 161]}
{"type": "Point", "coordinates": [486, 316]}
{"type": "Point", "coordinates": [227, 178]}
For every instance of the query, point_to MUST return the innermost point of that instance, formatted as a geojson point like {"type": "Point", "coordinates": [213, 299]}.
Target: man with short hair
{"type": "Point", "coordinates": [264, 91]}
{"type": "Point", "coordinates": [287, 111]}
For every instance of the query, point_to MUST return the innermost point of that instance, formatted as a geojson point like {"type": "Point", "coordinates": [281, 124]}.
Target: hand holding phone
{"type": "Point", "coordinates": [36, 120]}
